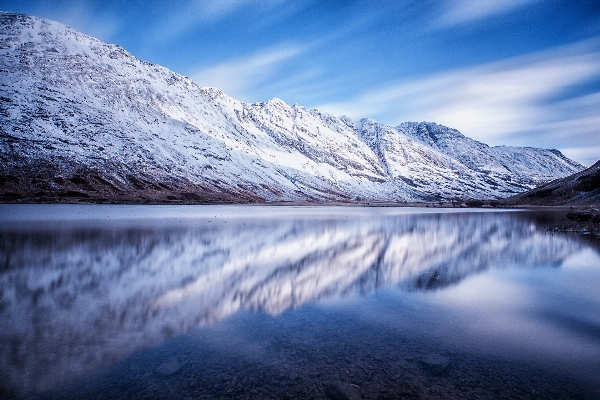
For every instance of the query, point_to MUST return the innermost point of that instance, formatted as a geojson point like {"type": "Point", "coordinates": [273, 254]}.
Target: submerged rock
{"type": "Point", "coordinates": [169, 367]}
{"type": "Point", "coordinates": [342, 391]}
{"type": "Point", "coordinates": [435, 364]}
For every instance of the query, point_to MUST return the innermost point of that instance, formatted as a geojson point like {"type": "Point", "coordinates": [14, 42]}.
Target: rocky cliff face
{"type": "Point", "coordinates": [80, 119]}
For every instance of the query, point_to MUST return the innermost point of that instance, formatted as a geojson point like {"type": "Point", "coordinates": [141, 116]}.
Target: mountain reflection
{"type": "Point", "coordinates": [82, 295]}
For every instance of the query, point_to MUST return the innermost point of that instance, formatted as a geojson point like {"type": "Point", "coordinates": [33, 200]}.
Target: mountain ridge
{"type": "Point", "coordinates": [82, 120]}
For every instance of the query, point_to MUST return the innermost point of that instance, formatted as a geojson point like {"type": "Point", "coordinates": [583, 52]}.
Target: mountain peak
{"type": "Point", "coordinates": [213, 93]}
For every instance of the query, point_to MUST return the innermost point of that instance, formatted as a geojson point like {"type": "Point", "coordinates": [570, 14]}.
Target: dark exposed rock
{"type": "Point", "coordinates": [588, 182]}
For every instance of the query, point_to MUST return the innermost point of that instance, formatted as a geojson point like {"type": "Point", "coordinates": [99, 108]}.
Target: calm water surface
{"type": "Point", "coordinates": [285, 302]}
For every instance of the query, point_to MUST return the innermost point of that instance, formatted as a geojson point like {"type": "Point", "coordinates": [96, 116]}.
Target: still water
{"type": "Point", "coordinates": [105, 301]}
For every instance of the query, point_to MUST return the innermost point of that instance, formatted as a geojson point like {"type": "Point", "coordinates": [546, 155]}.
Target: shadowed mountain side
{"type": "Point", "coordinates": [100, 292]}
{"type": "Point", "coordinates": [579, 189]}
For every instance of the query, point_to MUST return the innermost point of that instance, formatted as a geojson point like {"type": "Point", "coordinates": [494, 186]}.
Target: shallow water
{"type": "Point", "coordinates": [298, 302]}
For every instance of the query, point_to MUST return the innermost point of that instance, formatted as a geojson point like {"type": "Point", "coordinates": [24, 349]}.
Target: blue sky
{"type": "Point", "coordinates": [512, 72]}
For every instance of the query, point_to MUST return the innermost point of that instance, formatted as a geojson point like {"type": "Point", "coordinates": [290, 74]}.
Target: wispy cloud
{"type": "Point", "coordinates": [188, 14]}
{"type": "Point", "coordinates": [460, 12]}
{"type": "Point", "coordinates": [506, 102]}
{"type": "Point", "coordinates": [237, 77]}
{"type": "Point", "coordinates": [269, 70]}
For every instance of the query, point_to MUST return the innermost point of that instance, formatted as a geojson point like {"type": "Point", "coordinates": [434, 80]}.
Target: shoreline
{"type": "Point", "coordinates": [583, 220]}
{"type": "Point", "coordinates": [474, 204]}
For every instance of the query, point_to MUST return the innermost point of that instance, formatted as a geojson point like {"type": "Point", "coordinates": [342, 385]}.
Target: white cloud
{"type": "Point", "coordinates": [496, 103]}
{"type": "Point", "coordinates": [237, 77]}
{"type": "Point", "coordinates": [460, 12]}
{"type": "Point", "coordinates": [194, 12]}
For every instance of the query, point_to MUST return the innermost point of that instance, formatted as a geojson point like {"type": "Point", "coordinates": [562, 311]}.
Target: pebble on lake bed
{"type": "Point", "coordinates": [342, 391]}
{"type": "Point", "coordinates": [169, 367]}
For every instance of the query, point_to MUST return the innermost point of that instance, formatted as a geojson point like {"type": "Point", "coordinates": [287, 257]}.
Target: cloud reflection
{"type": "Point", "coordinates": [549, 316]}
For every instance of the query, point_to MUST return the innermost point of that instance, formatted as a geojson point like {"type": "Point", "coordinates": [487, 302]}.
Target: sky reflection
{"type": "Point", "coordinates": [79, 295]}
{"type": "Point", "coordinates": [548, 315]}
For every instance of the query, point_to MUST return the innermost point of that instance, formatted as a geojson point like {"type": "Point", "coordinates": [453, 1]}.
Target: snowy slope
{"type": "Point", "coordinates": [81, 118]}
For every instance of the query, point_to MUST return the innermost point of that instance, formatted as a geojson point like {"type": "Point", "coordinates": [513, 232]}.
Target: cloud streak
{"type": "Point", "coordinates": [195, 12]}
{"type": "Point", "coordinates": [507, 99]}
{"type": "Point", "coordinates": [237, 77]}
{"type": "Point", "coordinates": [459, 12]}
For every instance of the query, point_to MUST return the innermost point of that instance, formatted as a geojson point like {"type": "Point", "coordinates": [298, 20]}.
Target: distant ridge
{"type": "Point", "coordinates": [579, 189]}
{"type": "Point", "coordinates": [82, 120]}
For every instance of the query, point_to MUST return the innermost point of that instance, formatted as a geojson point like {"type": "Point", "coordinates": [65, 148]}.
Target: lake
{"type": "Point", "coordinates": [112, 301]}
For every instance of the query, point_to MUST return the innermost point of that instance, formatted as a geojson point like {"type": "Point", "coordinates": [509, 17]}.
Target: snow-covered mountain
{"type": "Point", "coordinates": [81, 118]}
{"type": "Point", "coordinates": [86, 293]}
